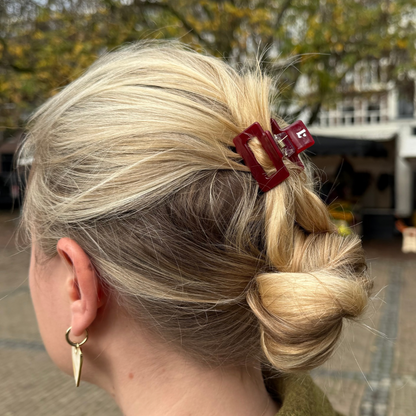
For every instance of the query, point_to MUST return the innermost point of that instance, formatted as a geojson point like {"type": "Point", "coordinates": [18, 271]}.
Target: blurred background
{"type": "Point", "coordinates": [345, 67]}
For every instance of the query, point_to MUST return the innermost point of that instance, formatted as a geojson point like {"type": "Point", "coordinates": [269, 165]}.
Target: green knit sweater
{"type": "Point", "coordinates": [300, 396]}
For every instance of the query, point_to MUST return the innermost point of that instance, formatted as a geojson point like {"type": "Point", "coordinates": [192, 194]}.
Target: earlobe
{"type": "Point", "coordinates": [82, 286]}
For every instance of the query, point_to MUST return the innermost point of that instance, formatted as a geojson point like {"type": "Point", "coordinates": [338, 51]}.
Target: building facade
{"type": "Point", "coordinates": [366, 145]}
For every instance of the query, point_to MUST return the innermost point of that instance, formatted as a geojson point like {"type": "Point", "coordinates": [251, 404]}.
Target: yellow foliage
{"type": "Point", "coordinates": [38, 35]}
{"type": "Point", "coordinates": [402, 43]}
{"type": "Point", "coordinates": [54, 47]}
{"type": "Point", "coordinates": [77, 48]}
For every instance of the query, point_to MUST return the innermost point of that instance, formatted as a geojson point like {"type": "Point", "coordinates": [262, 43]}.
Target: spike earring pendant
{"type": "Point", "coordinates": [77, 357]}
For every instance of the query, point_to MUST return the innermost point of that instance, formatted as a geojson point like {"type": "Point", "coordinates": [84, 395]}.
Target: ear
{"type": "Point", "coordinates": [84, 290]}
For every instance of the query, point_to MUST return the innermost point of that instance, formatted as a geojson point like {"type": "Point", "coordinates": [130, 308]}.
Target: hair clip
{"type": "Point", "coordinates": [288, 142]}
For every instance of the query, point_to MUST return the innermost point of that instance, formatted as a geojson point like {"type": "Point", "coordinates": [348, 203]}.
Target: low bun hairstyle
{"type": "Point", "coordinates": [135, 162]}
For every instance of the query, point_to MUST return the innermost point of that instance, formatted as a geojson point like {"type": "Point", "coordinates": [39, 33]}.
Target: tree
{"type": "Point", "coordinates": [44, 46]}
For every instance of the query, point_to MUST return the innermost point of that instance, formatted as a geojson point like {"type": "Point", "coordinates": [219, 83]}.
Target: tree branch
{"type": "Point", "coordinates": [315, 113]}
{"type": "Point", "coordinates": [282, 11]}
{"type": "Point", "coordinates": [178, 15]}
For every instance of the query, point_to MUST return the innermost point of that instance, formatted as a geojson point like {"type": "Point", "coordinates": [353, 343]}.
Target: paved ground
{"type": "Point", "coordinates": [370, 375]}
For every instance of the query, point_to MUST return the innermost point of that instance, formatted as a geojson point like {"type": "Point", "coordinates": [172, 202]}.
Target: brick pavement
{"type": "Point", "coordinates": [374, 373]}
{"type": "Point", "coordinates": [369, 374]}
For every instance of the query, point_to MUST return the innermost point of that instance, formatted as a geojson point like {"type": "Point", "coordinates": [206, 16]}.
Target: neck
{"type": "Point", "coordinates": [179, 390]}
{"type": "Point", "coordinates": [147, 379]}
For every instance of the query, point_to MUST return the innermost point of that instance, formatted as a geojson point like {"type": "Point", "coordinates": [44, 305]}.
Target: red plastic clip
{"type": "Point", "coordinates": [288, 142]}
{"type": "Point", "coordinates": [293, 140]}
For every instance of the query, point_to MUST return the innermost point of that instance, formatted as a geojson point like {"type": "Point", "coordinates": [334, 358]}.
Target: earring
{"type": "Point", "coordinates": [76, 355]}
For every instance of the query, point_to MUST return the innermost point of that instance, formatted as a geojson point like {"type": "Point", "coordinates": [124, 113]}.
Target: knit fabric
{"type": "Point", "coordinates": [300, 396]}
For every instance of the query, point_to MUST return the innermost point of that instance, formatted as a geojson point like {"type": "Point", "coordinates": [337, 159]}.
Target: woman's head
{"type": "Point", "coordinates": [134, 162]}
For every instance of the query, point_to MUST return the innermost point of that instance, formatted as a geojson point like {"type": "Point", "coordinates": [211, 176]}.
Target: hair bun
{"type": "Point", "coordinates": [301, 313]}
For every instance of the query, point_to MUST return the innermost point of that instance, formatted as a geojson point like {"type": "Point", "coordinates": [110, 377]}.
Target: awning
{"type": "Point", "coordinates": [329, 146]}
{"type": "Point", "coordinates": [374, 132]}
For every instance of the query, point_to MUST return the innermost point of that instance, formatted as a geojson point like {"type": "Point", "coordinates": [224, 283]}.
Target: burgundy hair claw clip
{"type": "Point", "coordinates": [293, 140]}
{"type": "Point", "coordinates": [288, 142]}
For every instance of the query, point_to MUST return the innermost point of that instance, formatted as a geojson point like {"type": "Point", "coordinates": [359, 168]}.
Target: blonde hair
{"type": "Point", "coordinates": [134, 161]}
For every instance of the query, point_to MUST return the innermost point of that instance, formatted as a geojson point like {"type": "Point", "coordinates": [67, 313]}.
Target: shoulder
{"type": "Point", "coordinates": [300, 396]}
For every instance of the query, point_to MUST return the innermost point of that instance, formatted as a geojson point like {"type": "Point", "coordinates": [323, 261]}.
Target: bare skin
{"type": "Point", "coordinates": [144, 375]}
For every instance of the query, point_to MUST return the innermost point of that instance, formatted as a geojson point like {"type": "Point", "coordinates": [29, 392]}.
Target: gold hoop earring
{"type": "Point", "coordinates": [76, 355]}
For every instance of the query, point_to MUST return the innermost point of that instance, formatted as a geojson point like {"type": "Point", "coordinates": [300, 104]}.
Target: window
{"type": "Point", "coordinates": [347, 115]}
{"type": "Point", "coordinates": [323, 119]}
{"type": "Point", "coordinates": [373, 113]}
{"type": "Point", "coordinates": [406, 99]}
